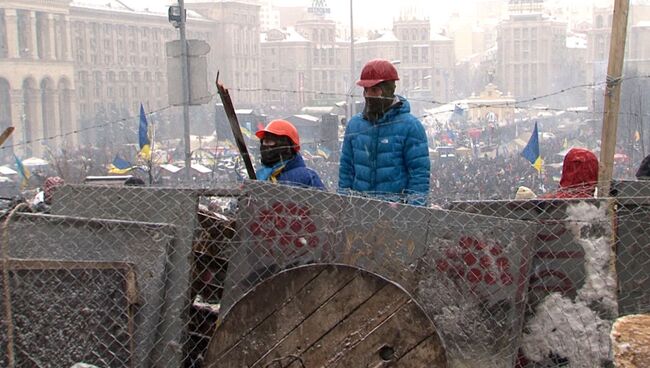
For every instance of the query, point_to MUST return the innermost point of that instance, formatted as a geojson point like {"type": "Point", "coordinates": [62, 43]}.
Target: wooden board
{"type": "Point", "coordinates": [326, 316]}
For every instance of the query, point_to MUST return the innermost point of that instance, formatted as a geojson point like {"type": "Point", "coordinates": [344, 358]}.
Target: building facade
{"type": "Point", "coordinates": [531, 50]}
{"type": "Point", "coordinates": [72, 66]}
{"type": "Point", "coordinates": [236, 51]}
{"type": "Point", "coordinates": [287, 59]}
{"type": "Point", "coordinates": [37, 89]}
{"type": "Point", "coordinates": [425, 63]}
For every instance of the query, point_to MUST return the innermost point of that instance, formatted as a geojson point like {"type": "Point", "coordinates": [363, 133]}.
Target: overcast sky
{"type": "Point", "coordinates": [380, 13]}
{"type": "Point", "coordinates": [371, 14]}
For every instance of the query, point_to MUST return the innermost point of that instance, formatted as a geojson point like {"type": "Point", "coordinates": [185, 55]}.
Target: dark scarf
{"type": "Point", "coordinates": [376, 107]}
{"type": "Point", "coordinates": [271, 155]}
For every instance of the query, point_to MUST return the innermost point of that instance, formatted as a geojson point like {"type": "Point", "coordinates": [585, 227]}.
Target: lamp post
{"type": "Point", "coordinates": [351, 95]}
{"type": "Point", "coordinates": [177, 16]}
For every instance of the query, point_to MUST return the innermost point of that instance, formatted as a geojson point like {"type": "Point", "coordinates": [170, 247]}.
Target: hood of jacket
{"type": "Point", "coordinates": [579, 172]}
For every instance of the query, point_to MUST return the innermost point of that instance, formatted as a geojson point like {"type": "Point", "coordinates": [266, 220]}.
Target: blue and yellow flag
{"type": "Point", "coordinates": [531, 151]}
{"type": "Point", "coordinates": [23, 171]}
{"type": "Point", "coordinates": [323, 152]}
{"type": "Point", "coordinates": [119, 166]}
{"type": "Point", "coordinates": [143, 135]}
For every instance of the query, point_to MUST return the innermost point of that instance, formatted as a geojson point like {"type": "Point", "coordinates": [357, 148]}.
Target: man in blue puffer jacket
{"type": "Point", "coordinates": [385, 151]}
{"type": "Point", "coordinates": [281, 160]}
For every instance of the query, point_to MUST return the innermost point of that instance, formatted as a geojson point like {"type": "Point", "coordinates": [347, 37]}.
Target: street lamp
{"type": "Point", "coordinates": [177, 16]}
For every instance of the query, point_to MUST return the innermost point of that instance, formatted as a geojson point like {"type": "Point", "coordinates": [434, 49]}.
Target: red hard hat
{"type": "Point", "coordinates": [376, 71]}
{"type": "Point", "coordinates": [282, 128]}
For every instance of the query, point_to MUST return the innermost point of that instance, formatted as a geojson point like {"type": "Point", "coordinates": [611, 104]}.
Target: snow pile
{"type": "Point", "coordinates": [579, 330]}
{"type": "Point", "coordinates": [569, 330]}
{"type": "Point", "coordinates": [600, 284]}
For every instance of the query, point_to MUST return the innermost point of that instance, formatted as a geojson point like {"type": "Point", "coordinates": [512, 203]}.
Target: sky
{"type": "Point", "coordinates": [377, 14]}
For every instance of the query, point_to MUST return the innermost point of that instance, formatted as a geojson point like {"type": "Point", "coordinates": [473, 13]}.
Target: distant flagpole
{"type": "Point", "coordinates": [143, 135]}
{"type": "Point", "coordinates": [153, 141]}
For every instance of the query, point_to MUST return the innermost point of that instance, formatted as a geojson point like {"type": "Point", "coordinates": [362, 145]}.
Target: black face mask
{"type": "Point", "coordinates": [376, 107]}
{"type": "Point", "coordinates": [271, 155]}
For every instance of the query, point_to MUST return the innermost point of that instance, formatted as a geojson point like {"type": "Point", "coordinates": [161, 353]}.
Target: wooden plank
{"type": "Point", "coordinates": [328, 316]}
{"type": "Point", "coordinates": [306, 301]}
{"type": "Point", "coordinates": [236, 128]}
{"type": "Point", "coordinates": [428, 353]}
{"type": "Point", "coordinates": [363, 320]}
{"type": "Point", "coordinates": [343, 317]}
{"type": "Point", "coordinates": [240, 321]}
{"type": "Point", "coordinates": [400, 333]}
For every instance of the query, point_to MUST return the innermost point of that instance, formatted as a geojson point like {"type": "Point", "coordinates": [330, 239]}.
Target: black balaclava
{"type": "Point", "coordinates": [376, 107]}
{"type": "Point", "coordinates": [281, 151]}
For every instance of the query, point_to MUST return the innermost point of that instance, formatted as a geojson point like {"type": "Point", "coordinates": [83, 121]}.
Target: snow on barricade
{"type": "Point", "coordinates": [577, 331]}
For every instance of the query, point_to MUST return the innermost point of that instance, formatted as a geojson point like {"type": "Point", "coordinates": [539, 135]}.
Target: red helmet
{"type": "Point", "coordinates": [282, 128]}
{"type": "Point", "coordinates": [376, 71]}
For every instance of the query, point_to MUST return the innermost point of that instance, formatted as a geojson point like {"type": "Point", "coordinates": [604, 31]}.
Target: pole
{"type": "Point", "coordinates": [612, 95]}
{"type": "Point", "coordinates": [351, 97]}
{"type": "Point", "coordinates": [640, 126]}
{"type": "Point", "coordinates": [186, 92]}
{"type": "Point", "coordinates": [151, 145]}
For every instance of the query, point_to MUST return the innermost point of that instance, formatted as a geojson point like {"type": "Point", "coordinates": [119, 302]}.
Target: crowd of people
{"type": "Point", "coordinates": [386, 154]}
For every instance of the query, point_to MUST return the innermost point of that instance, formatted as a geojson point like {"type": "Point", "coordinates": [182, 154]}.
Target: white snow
{"type": "Point", "coordinates": [600, 282]}
{"type": "Point", "coordinates": [567, 329]}
{"type": "Point", "coordinates": [574, 329]}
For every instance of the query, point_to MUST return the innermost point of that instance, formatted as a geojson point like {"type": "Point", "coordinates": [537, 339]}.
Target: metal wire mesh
{"type": "Point", "coordinates": [139, 276]}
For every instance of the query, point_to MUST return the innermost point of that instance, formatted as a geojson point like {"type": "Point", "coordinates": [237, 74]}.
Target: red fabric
{"type": "Point", "coordinates": [579, 175]}
{"type": "Point", "coordinates": [49, 186]}
{"type": "Point", "coordinates": [474, 133]}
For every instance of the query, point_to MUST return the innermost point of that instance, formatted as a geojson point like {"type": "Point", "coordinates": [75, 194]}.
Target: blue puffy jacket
{"type": "Point", "coordinates": [388, 159]}
{"type": "Point", "coordinates": [294, 172]}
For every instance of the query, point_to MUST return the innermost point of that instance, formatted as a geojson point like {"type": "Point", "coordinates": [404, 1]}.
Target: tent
{"type": "Point", "coordinates": [5, 170]}
{"type": "Point", "coordinates": [35, 161]}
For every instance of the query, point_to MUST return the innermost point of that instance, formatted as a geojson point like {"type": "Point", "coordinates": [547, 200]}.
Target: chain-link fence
{"type": "Point", "coordinates": [142, 277]}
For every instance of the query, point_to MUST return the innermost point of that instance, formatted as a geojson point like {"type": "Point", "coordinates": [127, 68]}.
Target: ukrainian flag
{"type": "Point", "coordinates": [143, 135]}
{"type": "Point", "coordinates": [322, 153]}
{"type": "Point", "coordinates": [23, 171]}
{"type": "Point", "coordinates": [120, 166]}
{"type": "Point", "coordinates": [531, 151]}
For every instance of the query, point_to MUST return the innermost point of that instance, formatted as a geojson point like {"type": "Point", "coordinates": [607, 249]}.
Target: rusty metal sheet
{"type": "Point", "coordinates": [558, 258]}
{"type": "Point", "coordinates": [571, 269]}
{"type": "Point", "coordinates": [95, 325]}
{"type": "Point", "coordinates": [281, 227]}
{"type": "Point", "coordinates": [72, 239]}
{"type": "Point", "coordinates": [159, 205]}
{"type": "Point", "coordinates": [633, 247]}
